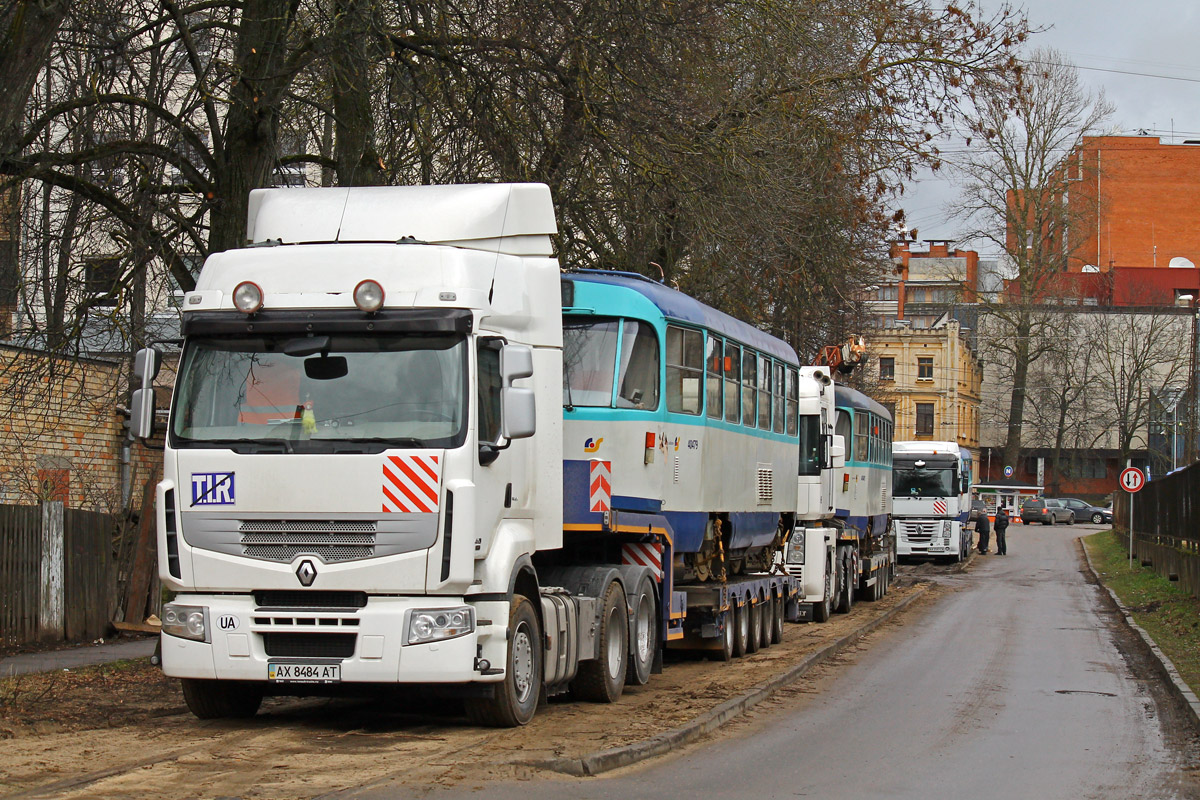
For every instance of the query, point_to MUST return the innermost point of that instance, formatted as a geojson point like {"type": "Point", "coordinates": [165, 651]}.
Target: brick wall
{"type": "Point", "coordinates": [62, 431]}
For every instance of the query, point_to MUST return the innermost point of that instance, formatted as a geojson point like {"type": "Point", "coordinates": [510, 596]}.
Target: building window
{"type": "Point", "coordinates": [925, 368]}
{"type": "Point", "coordinates": [925, 419]}
{"type": "Point", "coordinates": [102, 280]}
{"type": "Point", "coordinates": [887, 368]}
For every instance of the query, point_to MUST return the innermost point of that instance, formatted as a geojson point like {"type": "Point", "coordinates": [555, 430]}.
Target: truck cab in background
{"type": "Point", "coordinates": [931, 501]}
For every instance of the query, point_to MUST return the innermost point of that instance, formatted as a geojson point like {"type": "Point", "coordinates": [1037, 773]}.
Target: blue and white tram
{"type": "Point", "coordinates": [865, 502]}
{"type": "Point", "coordinates": [681, 442]}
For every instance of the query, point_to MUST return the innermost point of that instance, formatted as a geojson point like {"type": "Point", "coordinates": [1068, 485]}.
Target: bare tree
{"type": "Point", "coordinates": [1017, 189]}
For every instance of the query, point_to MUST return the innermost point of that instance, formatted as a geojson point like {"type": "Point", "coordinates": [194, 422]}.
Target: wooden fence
{"type": "Point", "coordinates": [56, 576]}
{"type": "Point", "coordinates": [1166, 526]}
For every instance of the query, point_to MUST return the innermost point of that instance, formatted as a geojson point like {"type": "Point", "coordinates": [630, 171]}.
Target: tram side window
{"type": "Point", "coordinates": [638, 372]}
{"type": "Point", "coordinates": [778, 407]}
{"type": "Point", "coordinates": [793, 400]}
{"type": "Point", "coordinates": [733, 364]}
{"type": "Point", "coordinates": [685, 369]}
{"type": "Point", "coordinates": [589, 354]}
{"type": "Point", "coordinates": [749, 379]}
{"type": "Point", "coordinates": [862, 436]}
{"type": "Point", "coordinates": [764, 393]}
{"type": "Point", "coordinates": [712, 358]}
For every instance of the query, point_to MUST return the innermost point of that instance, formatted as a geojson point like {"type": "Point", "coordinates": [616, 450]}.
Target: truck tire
{"type": "Point", "coordinates": [741, 629]}
{"type": "Point", "coordinates": [823, 610]}
{"type": "Point", "coordinates": [222, 699]}
{"type": "Point", "coordinates": [755, 609]}
{"type": "Point", "coordinates": [777, 611]}
{"type": "Point", "coordinates": [849, 581]}
{"type": "Point", "coordinates": [602, 679]}
{"type": "Point", "coordinates": [643, 633]}
{"type": "Point", "coordinates": [516, 697]}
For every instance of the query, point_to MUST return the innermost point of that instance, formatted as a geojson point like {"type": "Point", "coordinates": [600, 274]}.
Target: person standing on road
{"type": "Point", "coordinates": [1001, 527]}
{"type": "Point", "coordinates": [983, 527]}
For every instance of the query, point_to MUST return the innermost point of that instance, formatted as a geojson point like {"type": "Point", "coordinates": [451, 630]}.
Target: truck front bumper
{"type": "Point", "coordinates": [367, 643]}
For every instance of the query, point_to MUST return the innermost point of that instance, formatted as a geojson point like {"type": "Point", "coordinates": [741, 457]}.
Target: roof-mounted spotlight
{"type": "Point", "coordinates": [368, 296]}
{"type": "Point", "coordinates": [247, 297]}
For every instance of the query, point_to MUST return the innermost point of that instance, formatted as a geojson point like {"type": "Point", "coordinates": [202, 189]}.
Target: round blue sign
{"type": "Point", "coordinates": [1008, 471]}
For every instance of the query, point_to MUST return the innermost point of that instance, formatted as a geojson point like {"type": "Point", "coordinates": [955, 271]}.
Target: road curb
{"type": "Point", "coordinates": [714, 718]}
{"type": "Point", "coordinates": [1175, 685]}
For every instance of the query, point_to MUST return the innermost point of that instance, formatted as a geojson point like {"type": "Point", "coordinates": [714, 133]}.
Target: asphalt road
{"type": "Point", "coordinates": [1013, 685]}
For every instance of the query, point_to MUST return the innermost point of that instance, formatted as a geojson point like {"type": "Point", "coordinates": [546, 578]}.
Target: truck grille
{"type": "Point", "coordinates": [309, 645]}
{"type": "Point", "coordinates": [283, 540]}
{"type": "Point", "coordinates": [918, 532]}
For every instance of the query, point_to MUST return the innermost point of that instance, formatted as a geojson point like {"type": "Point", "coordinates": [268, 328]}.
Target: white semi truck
{"type": "Point", "coordinates": [368, 478]}
{"type": "Point", "coordinates": [932, 499]}
{"type": "Point", "coordinates": [844, 545]}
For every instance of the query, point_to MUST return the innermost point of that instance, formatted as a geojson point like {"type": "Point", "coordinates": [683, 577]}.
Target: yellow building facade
{"type": "Point", "coordinates": [932, 381]}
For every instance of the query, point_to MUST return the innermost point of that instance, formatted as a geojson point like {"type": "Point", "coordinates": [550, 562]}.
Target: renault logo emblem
{"type": "Point", "coordinates": [306, 572]}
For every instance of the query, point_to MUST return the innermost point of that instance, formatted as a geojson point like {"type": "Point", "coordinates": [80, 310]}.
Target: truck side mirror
{"type": "Point", "coordinates": [518, 412]}
{"type": "Point", "coordinates": [141, 413]}
{"type": "Point", "coordinates": [825, 451]}
{"type": "Point", "coordinates": [146, 363]}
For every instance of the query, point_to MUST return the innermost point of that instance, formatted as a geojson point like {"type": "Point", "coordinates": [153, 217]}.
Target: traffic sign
{"type": "Point", "coordinates": [1132, 479]}
{"type": "Point", "coordinates": [1008, 472]}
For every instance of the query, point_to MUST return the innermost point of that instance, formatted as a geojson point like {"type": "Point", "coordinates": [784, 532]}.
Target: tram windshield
{"type": "Point", "coordinates": [600, 354]}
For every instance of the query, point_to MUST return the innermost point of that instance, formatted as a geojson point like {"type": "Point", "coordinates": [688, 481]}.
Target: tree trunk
{"type": "Point", "coordinates": [28, 32]}
{"type": "Point", "coordinates": [1016, 404]}
{"type": "Point", "coordinates": [358, 162]}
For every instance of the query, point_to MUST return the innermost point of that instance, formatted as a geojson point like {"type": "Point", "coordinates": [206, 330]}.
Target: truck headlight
{"type": "Point", "coordinates": [186, 622]}
{"type": "Point", "coordinates": [946, 528]}
{"type": "Point", "coordinates": [795, 553]}
{"type": "Point", "coordinates": [435, 624]}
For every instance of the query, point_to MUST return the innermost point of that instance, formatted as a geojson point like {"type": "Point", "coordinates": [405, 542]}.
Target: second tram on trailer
{"type": "Point", "coordinates": [686, 420]}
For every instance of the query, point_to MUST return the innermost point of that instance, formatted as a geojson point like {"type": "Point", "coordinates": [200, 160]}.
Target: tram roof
{"type": "Point", "coordinates": [846, 397]}
{"type": "Point", "coordinates": [676, 305]}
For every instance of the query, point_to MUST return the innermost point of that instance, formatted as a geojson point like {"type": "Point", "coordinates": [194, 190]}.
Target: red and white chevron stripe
{"type": "Point", "coordinates": [412, 484]}
{"type": "Point", "coordinates": [600, 479]}
{"type": "Point", "coordinates": [939, 507]}
{"type": "Point", "coordinates": [644, 555]}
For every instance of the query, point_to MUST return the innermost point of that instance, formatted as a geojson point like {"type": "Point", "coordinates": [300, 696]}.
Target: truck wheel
{"type": "Point", "coordinates": [643, 634]}
{"type": "Point", "coordinates": [602, 679]}
{"type": "Point", "coordinates": [222, 699]}
{"type": "Point", "coordinates": [741, 629]}
{"type": "Point", "coordinates": [823, 610]}
{"type": "Point", "coordinates": [849, 581]}
{"type": "Point", "coordinates": [779, 606]}
{"type": "Point", "coordinates": [516, 697]}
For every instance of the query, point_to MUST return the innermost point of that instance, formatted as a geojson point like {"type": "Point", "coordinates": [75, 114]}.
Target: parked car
{"type": "Point", "coordinates": [1047, 511]}
{"type": "Point", "coordinates": [1095, 514]}
{"type": "Point", "coordinates": [978, 508]}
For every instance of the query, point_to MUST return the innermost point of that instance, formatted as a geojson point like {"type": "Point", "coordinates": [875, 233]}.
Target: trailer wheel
{"type": "Point", "coordinates": [766, 615]}
{"type": "Point", "coordinates": [516, 697]}
{"type": "Point", "coordinates": [602, 679]}
{"type": "Point", "coordinates": [728, 638]}
{"type": "Point", "coordinates": [222, 699]}
{"type": "Point", "coordinates": [849, 581]}
{"type": "Point", "coordinates": [741, 628]}
{"type": "Point", "coordinates": [823, 610]}
{"type": "Point", "coordinates": [777, 607]}
{"type": "Point", "coordinates": [643, 633]}
{"type": "Point", "coordinates": [754, 609]}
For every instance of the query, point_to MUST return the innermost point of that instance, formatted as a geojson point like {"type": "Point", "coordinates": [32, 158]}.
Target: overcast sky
{"type": "Point", "coordinates": [1144, 56]}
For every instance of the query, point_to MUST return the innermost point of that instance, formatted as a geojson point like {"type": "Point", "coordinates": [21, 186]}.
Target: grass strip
{"type": "Point", "coordinates": [1170, 615]}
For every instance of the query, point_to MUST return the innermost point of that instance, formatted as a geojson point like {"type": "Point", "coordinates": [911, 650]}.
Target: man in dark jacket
{"type": "Point", "coordinates": [983, 527]}
{"type": "Point", "coordinates": [1001, 527]}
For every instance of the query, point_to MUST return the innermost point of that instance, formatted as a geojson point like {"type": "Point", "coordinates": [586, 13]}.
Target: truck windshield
{"type": "Point", "coordinates": [923, 482]}
{"type": "Point", "coordinates": [402, 391]}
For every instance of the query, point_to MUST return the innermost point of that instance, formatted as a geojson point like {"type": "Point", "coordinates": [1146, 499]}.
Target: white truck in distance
{"type": "Point", "coordinates": [931, 485]}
